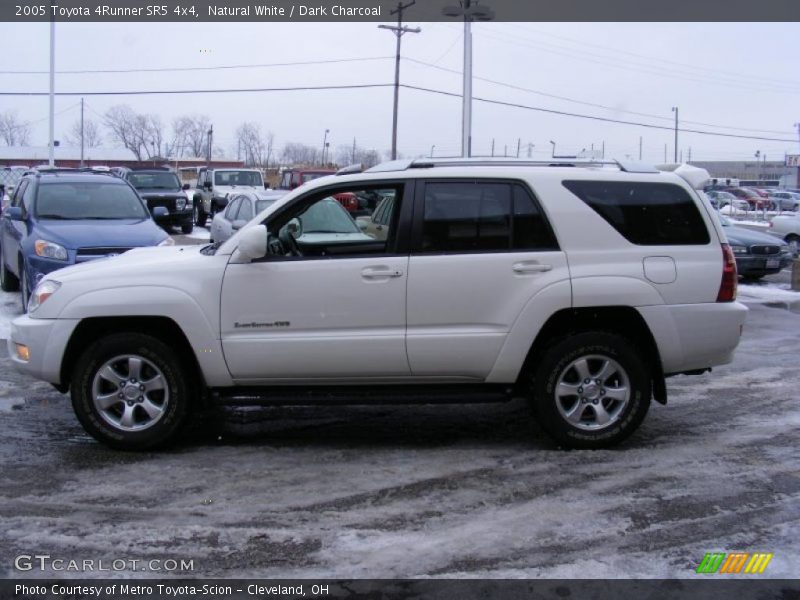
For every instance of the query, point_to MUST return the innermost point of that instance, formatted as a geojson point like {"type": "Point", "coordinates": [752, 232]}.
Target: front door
{"type": "Point", "coordinates": [327, 303]}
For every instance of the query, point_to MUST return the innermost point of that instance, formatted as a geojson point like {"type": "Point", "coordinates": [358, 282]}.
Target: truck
{"type": "Point", "coordinates": [214, 185]}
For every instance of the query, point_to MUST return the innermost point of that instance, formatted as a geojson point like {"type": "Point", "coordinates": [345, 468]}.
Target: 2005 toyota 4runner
{"type": "Point", "coordinates": [580, 286]}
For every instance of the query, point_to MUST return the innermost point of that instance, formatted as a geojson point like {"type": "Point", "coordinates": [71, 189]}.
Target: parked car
{"type": "Point", "coordinates": [293, 178]}
{"type": "Point", "coordinates": [787, 227]}
{"type": "Point", "coordinates": [215, 185]}
{"type": "Point", "coordinates": [754, 200]}
{"type": "Point", "coordinates": [161, 187]}
{"type": "Point", "coordinates": [757, 254]}
{"type": "Point", "coordinates": [721, 199]}
{"type": "Point", "coordinates": [785, 200]}
{"type": "Point", "coordinates": [58, 218]}
{"type": "Point", "coordinates": [580, 289]}
{"type": "Point", "coordinates": [240, 210]}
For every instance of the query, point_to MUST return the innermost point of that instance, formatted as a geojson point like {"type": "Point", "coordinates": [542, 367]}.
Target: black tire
{"type": "Point", "coordinates": [8, 281]}
{"type": "Point", "coordinates": [186, 228]}
{"type": "Point", "coordinates": [23, 285]}
{"type": "Point", "coordinates": [556, 365]}
{"type": "Point", "coordinates": [174, 398]}
{"type": "Point", "coordinates": [199, 214]}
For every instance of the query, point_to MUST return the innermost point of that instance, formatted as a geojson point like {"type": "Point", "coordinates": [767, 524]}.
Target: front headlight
{"type": "Point", "coordinates": [180, 203]}
{"type": "Point", "coordinates": [50, 250]}
{"type": "Point", "coordinates": [739, 249]}
{"type": "Point", "coordinates": [42, 292]}
{"type": "Point", "coordinates": [167, 242]}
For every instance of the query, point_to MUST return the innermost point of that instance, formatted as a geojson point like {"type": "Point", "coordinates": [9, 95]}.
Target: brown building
{"type": "Point", "coordinates": [31, 156]}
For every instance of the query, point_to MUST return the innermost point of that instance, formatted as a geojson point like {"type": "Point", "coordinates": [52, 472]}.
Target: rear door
{"type": "Point", "coordinates": [481, 251]}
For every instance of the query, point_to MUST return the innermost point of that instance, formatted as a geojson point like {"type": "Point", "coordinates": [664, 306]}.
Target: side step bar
{"type": "Point", "coordinates": [366, 395]}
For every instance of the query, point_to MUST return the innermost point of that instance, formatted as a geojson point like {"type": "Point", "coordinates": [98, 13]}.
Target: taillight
{"type": "Point", "coordinates": [727, 288]}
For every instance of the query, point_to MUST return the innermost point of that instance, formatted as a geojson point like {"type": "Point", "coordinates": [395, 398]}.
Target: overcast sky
{"type": "Point", "coordinates": [731, 77]}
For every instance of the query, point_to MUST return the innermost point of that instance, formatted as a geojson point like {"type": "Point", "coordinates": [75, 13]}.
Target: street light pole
{"type": "Point", "coordinates": [470, 11]}
{"type": "Point", "coordinates": [675, 110]}
{"type": "Point", "coordinates": [52, 153]}
{"type": "Point", "coordinates": [553, 153]}
{"type": "Point", "coordinates": [324, 144]}
{"type": "Point", "coordinates": [433, 147]}
{"type": "Point", "coordinates": [398, 30]}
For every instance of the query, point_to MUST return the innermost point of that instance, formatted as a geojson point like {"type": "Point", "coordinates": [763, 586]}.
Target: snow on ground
{"type": "Point", "coordinates": [769, 292]}
{"type": "Point", "coordinates": [10, 309]}
{"type": "Point", "coordinates": [199, 233]}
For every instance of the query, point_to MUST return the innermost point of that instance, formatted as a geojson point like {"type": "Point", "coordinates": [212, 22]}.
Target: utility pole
{"type": "Point", "coordinates": [354, 151]}
{"type": "Point", "coordinates": [505, 150]}
{"type": "Point", "coordinates": [519, 141]}
{"type": "Point", "coordinates": [640, 147]}
{"type": "Point", "coordinates": [210, 139]}
{"type": "Point", "coordinates": [82, 144]}
{"type": "Point", "coordinates": [52, 155]}
{"type": "Point", "coordinates": [688, 160]}
{"type": "Point", "coordinates": [603, 151]}
{"type": "Point", "coordinates": [530, 149]}
{"type": "Point", "coordinates": [398, 30]}
{"type": "Point", "coordinates": [492, 146]}
{"type": "Point", "coordinates": [675, 110]}
{"type": "Point", "coordinates": [665, 153]}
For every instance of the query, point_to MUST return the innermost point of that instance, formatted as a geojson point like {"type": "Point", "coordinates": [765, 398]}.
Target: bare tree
{"type": "Point", "coordinates": [191, 135]}
{"type": "Point", "coordinates": [13, 130]}
{"type": "Point", "coordinates": [346, 155]}
{"type": "Point", "coordinates": [142, 134]}
{"type": "Point", "coordinates": [92, 137]}
{"type": "Point", "coordinates": [295, 153]}
{"type": "Point", "coordinates": [254, 147]}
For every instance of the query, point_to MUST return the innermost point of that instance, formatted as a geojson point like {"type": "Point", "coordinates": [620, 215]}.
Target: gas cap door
{"type": "Point", "coordinates": [660, 269]}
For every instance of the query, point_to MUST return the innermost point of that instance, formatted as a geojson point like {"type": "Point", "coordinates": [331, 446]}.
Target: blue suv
{"type": "Point", "coordinates": [61, 217]}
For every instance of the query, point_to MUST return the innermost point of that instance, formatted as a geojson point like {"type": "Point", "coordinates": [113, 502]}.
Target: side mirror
{"type": "Point", "coordinates": [266, 185]}
{"type": "Point", "coordinates": [160, 212]}
{"type": "Point", "coordinates": [15, 213]}
{"type": "Point", "coordinates": [238, 224]}
{"type": "Point", "coordinates": [253, 242]}
{"type": "Point", "coordinates": [362, 225]}
{"type": "Point", "coordinates": [185, 186]}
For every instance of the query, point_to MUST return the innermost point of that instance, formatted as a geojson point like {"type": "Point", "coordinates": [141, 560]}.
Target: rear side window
{"type": "Point", "coordinates": [483, 217]}
{"type": "Point", "coordinates": [646, 214]}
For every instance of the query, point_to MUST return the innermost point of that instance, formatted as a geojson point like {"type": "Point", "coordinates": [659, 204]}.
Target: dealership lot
{"type": "Point", "coordinates": [423, 491]}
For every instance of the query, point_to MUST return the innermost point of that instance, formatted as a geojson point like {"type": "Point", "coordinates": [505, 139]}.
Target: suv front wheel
{"type": "Point", "coordinates": [129, 391]}
{"type": "Point", "coordinates": [199, 213]}
{"type": "Point", "coordinates": [591, 390]}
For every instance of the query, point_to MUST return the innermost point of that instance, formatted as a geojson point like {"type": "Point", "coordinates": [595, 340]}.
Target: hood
{"type": "Point", "coordinates": [159, 193]}
{"type": "Point", "coordinates": [739, 236]}
{"type": "Point", "coordinates": [221, 190]}
{"type": "Point", "coordinates": [140, 260]}
{"type": "Point", "coordinates": [99, 233]}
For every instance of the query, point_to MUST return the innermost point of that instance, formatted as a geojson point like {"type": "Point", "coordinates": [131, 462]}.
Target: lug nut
{"type": "Point", "coordinates": [602, 392]}
{"type": "Point", "coordinates": [120, 396]}
{"type": "Point", "coordinates": [130, 403]}
{"type": "Point", "coordinates": [141, 387]}
{"type": "Point", "coordinates": [580, 390]}
{"type": "Point", "coordinates": [587, 381]}
{"type": "Point", "coordinates": [140, 398]}
{"type": "Point", "coordinates": [594, 401]}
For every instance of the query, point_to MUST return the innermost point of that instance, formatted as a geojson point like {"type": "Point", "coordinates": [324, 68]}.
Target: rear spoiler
{"type": "Point", "coordinates": [696, 177]}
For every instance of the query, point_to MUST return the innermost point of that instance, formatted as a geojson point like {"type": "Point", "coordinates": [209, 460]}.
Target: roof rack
{"type": "Point", "coordinates": [430, 163]}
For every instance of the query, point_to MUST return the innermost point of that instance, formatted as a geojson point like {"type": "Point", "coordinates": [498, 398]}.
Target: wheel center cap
{"type": "Point", "coordinates": [591, 391]}
{"type": "Point", "coordinates": [131, 392]}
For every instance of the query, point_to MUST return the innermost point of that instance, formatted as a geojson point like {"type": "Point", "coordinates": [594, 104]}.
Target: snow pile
{"type": "Point", "coordinates": [766, 293]}
{"type": "Point", "coordinates": [199, 234]}
{"type": "Point", "coordinates": [10, 308]}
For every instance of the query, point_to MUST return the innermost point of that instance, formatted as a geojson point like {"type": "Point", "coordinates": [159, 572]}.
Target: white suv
{"type": "Point", "coordinates": [580, 286]}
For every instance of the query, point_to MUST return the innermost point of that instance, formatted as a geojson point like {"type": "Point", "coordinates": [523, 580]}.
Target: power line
{"type": "Point", "coordinates": [205, 91]}
{"type": "Point", "coordinates": [592, 117]}
{"type": "Point", "coordinates": [573, 100]}
{"type": "Point", "coordinates": [216, 68]}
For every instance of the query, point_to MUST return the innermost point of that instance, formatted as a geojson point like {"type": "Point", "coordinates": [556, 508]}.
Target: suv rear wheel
{"type": "Point", "coordinates": [591, 390]}
{"type": "Point", "coordinates": [8, 281]}
{"type": "Point", "coordinates": [129, 391]}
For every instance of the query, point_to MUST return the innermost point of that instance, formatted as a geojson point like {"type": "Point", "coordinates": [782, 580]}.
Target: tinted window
{"type": "Point", "coordinates": [154, 181]}
{"type": "Point", "coordinates": [16, 200]}
{"type": "Point", "coordinates": [238, 178]}
{"type": "Point", "coordinates": [531, 229]}
{"type": "Point", "coordinates": [467, 217]}
{"type": "Point", "coordinates": [327, 216]}
{"type": "Point", "coordinates": [647, 214]}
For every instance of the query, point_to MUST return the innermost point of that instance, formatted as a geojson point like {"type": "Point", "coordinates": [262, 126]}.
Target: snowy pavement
{"type": "Point", "coordinates": [451, 491]}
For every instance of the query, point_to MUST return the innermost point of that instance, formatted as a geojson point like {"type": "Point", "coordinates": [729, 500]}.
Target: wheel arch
{"type": "Point", "coordinates": [162, 328]}
{"type": "Point", "coordinates": [621, 320]}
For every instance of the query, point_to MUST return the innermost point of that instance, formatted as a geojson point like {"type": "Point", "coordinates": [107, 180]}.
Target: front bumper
{"type": "Point", "coordinates": [177, 217]}
{"type": "Point", "coordinates": [46, 340]}
{"type": "Point", "coordinates": [758, 265]}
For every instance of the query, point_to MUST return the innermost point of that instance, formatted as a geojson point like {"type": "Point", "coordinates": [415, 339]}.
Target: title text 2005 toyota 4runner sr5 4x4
{"type": "Point", "coordinates": [579, 286]}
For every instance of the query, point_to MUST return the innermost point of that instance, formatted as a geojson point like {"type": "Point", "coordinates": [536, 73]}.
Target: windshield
{"type": "Point", "coordinates": [252, 178]}
{"type": "Point", "coordinates": [73, 201]}
{"type": "Point", "coordinates": [154, 181]}
{"type": "Point", "coordinates": [262, 204]}
{"type": "Point", "coordinates": [306, 177]}
{"type": "Point", "coordinates": [328, 216]}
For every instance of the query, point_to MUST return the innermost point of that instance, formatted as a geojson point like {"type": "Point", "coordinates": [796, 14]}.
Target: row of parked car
{"type": "Point", "coordinates": [747, 198]}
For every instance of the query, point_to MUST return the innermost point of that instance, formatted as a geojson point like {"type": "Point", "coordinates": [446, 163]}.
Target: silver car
{"type": "Point", "coordinates": [241, 209]}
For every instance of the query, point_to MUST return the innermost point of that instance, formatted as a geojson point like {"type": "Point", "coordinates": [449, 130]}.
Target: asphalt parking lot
{"type": "Point", "coordinates": [423, 491]}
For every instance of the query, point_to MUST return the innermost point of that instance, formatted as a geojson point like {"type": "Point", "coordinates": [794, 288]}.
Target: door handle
{"type": "Point", "coordinates": [523, 267]}
{"type": "Point", "coordinates": [380, 272]}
